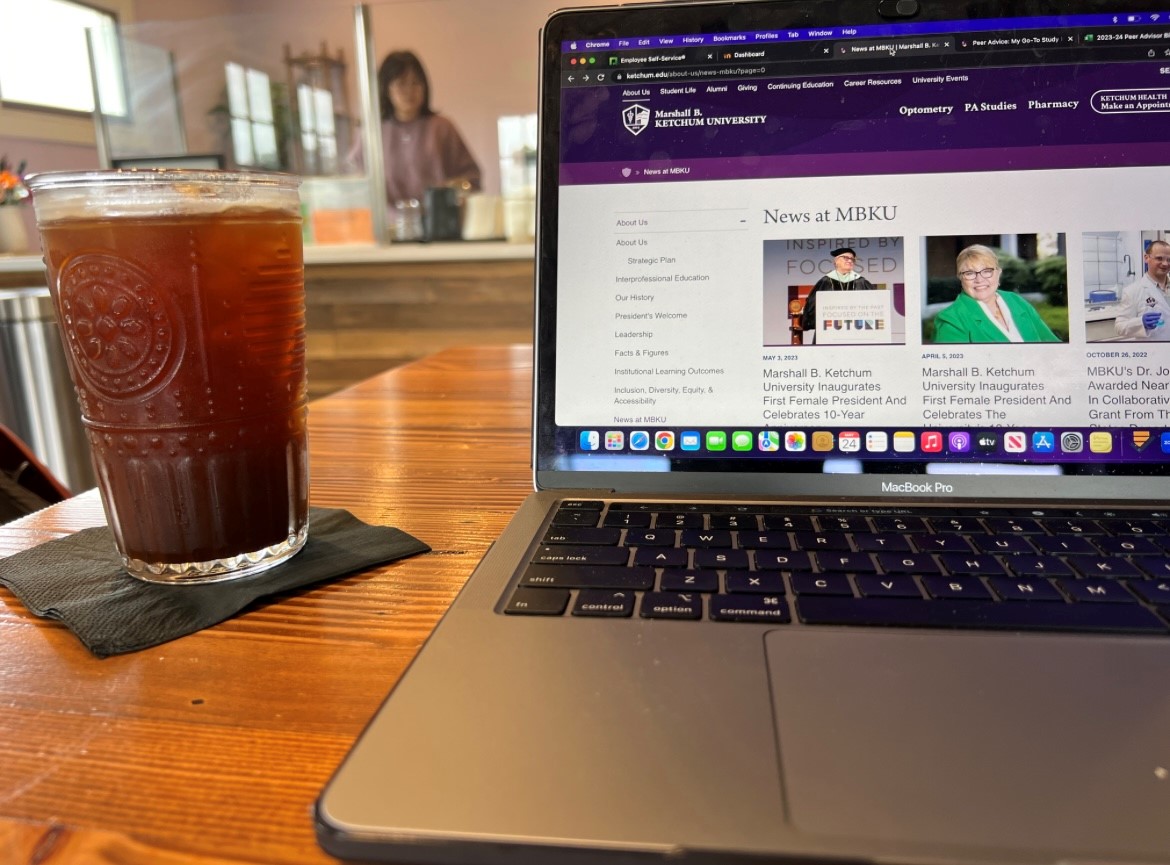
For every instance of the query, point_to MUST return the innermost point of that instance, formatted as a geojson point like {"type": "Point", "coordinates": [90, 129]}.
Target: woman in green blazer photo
{"type": "Point", "coordinates": [983, 313]}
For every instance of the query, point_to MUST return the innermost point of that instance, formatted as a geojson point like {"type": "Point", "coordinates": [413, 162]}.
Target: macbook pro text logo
{"type": "Point", "coordinates": [912, 487]}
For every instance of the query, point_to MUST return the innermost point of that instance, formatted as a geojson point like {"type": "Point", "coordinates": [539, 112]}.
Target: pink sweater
{"type": "Point", "coordinates": [423, 153]}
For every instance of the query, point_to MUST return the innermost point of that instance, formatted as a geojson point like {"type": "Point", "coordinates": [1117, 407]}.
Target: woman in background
{"type": "Point", "coordinates": [420, 148]}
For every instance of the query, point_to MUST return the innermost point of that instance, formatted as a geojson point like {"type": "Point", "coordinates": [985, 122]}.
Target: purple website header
{"type": "Point", "coordinates": [753, 37]}
{"type": "Point", "coordinates": [1007, 118]}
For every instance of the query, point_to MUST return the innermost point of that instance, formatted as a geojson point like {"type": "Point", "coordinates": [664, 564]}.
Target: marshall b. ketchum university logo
{"type": "Point", "coordinates": [636, 118]}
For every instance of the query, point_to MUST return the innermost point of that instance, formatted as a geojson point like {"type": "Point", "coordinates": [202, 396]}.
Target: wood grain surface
{"type": "Point", "coordinates": [211, 749]}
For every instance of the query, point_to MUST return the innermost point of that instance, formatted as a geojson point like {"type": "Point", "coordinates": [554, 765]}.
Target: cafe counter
{"type": "Point", "coordinates": [370, 308]}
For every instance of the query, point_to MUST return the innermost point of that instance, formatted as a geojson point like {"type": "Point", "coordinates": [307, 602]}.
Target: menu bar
{"type": "Point", "coordinates": [925, 28]}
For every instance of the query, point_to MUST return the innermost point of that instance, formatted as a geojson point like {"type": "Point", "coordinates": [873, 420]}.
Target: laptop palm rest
{"type": "Point", "coordinates": [1017, 741]}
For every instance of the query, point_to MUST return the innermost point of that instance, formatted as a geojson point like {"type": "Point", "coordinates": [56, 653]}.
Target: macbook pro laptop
{"type": "Point", "coordinates": [851, 435]}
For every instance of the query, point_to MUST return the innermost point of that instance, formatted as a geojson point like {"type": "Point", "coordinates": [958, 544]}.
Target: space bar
{"type": "Point", "coordinates": [1104, 618]}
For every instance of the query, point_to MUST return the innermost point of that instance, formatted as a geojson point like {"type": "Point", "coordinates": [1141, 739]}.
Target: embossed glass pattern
{"type": "Point", "coordinates": [181, 301]}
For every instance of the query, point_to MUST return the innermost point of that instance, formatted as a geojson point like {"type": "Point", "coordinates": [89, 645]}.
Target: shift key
{"type": "Point", "coordinates": [588, 577]}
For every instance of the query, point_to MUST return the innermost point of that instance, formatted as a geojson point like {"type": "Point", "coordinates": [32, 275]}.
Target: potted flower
{"type": "Point", "coordinates": [13, 234]}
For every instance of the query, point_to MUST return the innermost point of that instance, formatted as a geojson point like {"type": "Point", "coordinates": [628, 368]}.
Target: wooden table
{"type": "Point", "coordinates": [211, 749]}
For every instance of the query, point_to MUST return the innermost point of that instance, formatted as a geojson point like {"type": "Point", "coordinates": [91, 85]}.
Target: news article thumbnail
{"type": "Point", "coordinates": [991, 289]}
{"type": "Point", "coordinates": [1125, 286]}
{"type": "Point", "coordinates": [834, 291]}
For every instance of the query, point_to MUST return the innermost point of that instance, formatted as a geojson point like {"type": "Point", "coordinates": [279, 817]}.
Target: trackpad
{"type": "Point", "coordinates": [1044, 742]}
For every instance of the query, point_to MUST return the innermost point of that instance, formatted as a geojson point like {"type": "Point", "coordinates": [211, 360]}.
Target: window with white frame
{"type": "Point", "coordinates": [253, 125]}
{"type": "Point", "coordinates": [318, 131]}
{"type": "Point", "coordinates": [60, 78]}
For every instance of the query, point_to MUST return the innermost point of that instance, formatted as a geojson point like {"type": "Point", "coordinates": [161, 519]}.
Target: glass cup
{"type": "Point", "coordinates": [181, 301]}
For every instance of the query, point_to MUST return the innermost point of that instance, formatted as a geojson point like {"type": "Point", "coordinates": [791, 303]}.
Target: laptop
{"type": "Point", "coordinates": [887, 582]}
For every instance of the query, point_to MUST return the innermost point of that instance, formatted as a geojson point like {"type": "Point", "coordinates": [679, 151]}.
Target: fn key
{"type": "Point", "coordinates": [538, 602]}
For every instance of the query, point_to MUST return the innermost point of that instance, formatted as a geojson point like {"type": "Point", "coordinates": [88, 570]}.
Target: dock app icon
{"type": "Point", "coordinates": [877, 441]}
{"type": "Point", "coordinates": [822, 440]}
{"type": "Point", "coordinates": [849, 442]}
{"type": "Point", "coordinates": [589, 440]}
{"type": "Point", "coordinates": [1072, 442]}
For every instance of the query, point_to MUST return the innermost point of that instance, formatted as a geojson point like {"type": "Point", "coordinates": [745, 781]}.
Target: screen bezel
{"type": "Point", "coordinates": [1113, 481]}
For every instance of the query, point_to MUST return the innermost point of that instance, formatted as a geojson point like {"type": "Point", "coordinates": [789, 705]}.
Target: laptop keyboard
{"type": "Point", "coordinates": [1048, 570]}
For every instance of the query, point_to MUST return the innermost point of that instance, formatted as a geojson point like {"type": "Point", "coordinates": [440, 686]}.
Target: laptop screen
{"type": "Point", "coordinates": [781, 242]}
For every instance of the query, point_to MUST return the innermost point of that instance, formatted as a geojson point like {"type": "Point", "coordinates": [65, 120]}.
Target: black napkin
{"type": "Point", "coordinates": [79, 580]}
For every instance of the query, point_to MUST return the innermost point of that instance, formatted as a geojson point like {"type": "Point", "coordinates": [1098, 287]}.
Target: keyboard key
{"type": "Point", "coordinates": [627, 519]}
{"type": "Point", "coordinates": [1112, 568]}
{"type": "Point", "coordinates": [581, 505]}
{"type": "Point", "coordinates": [821, 584]}
{"type": "Point", "coordinates": [649, 537]}
{"type": "Point", "coordinates": [846, 562]}
{"type": "Point", "coordinates": [750, 608]}
{"type": "Point", "coordinates": [1097, 592]}
{"type": "Point", "coordinates": [678, 521]}
{"type": "Point", "coordinates": [1157, 592]}
{"type": "Point", "coordinates": [1065, 545]}
{"type": "Point", "coordinates": [581, 555]}
{"type": "Point", "coordinates": [1004, 544]}
{"type": "Point", "coordinates": [1011, 525]}
{"type": "Point", "coordinates": [942, 544]}
{"type": "Point", "coordinates": [1155, 567]}
{"type": "Point", "coordinates": [787, 523]}
{"type": "Point", "coordinates": [689, 581]}
{"type": "Point", "coordinates": [705, 538]}
{"type": "Point", "coordinates": [1025, 590]}
{"type": "Point", "coordinates": [588, 577]}
{"type": "Point", "coordinates": [907, 563]}
{"type": "Point", "coordinates": [658, 557]}
{"type": "Point", "coordinates": [767, 560]}
{"type": "Point", "coordinates": [1075, 527]}
{"type": "Point", "coordinates": [956, 588]}
{"type": "Point", "coordinates": [575, 518]}
{"type": "Point", "coordinates": [895, 612]}
{"type": "Point", "coordinates": [882, 543]}
{"type": "Point", "coordinates": [746, 522]}
{"type": "Point", "coordinates": [899, 524]}
{"type": "Point", "coordinates": [606, 603]}
{"type": "Point", "coordinates": [887, 587]}
{"type": "Point", "coordinates": [1038, 566]}
{"type": "Point", "coordinates": [985, 566]}
{"type": "Point", "coordinates": [764, 541]}
{"type": "Point", "coordinates": [722, 559]}
{"type": "Point", "coordinates": [955, 525]}
{"type": "Point", "coordinates": [753, 582]}
{"type": "Point", "coordinates": [1128, 546]}
{"type": "Point", "coordinates": [844, 524]}
{"type": "Point", "coordinates": [821, 541]}
{"type": "Point", "coordinates": [583, 535]}
{"type": "Point", "coordinates": [1132, 528]}
{"type": "Point", "coordinates": [672, 605]}
{"type": "Point", "coordinates": [537, 602]}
